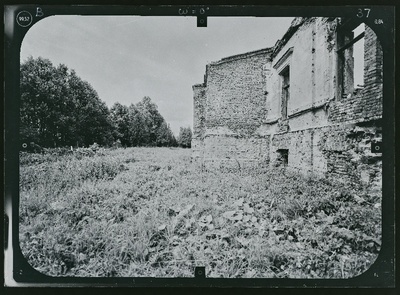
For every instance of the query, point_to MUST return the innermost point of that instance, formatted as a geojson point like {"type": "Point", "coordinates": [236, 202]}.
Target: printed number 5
{"type": "Point", "coordinates": [360, 13]}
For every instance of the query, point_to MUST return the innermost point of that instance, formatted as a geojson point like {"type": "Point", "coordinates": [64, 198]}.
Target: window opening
{"type": "Point", "coordinates": [285, 91]}
{"type": "Point", "coordinates": [350, 60]}
{"type": "Point", "coordinates": [358, 55]}
{"type": "Point", "coordinates": [283, 157]}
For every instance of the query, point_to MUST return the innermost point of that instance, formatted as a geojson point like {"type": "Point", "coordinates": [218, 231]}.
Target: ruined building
{"type": "Point", "coordinates": [302, 103]}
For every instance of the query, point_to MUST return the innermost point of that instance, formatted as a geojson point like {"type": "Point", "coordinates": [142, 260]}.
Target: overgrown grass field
{"type": "Point", "coordinates": [147, 212]}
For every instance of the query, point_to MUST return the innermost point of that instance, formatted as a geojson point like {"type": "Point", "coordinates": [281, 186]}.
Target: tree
{"type": "Point", "coordinates": [185, 137]}
{"type": "Point", "coordinates": [58, 108]}
{"type": "Point", "coordinates": [39, 87]}
{"type": "Point", "coordinates": [120, 119]}
{"type": "Point", "coordinates": [165, 137]}
{"type": "Point", "coordinates": [152, 120]}
{"type": "Point", "coordinates": [92, 118]}
{"type": "Point", "coordinates": [141, 125]}
{"type": "Point", "coordinates": [137, 129]}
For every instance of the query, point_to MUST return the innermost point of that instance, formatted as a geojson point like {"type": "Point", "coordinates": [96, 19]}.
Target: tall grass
{"type": "Point", "coordinates": [147, 212]}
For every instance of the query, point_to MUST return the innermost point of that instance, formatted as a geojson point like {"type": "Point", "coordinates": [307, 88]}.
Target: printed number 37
{"type": "Point", "coordinates": [361, 12]}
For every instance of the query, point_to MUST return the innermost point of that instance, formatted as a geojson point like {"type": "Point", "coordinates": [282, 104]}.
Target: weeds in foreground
{"type": "Point", "coordinates": [146, 212]}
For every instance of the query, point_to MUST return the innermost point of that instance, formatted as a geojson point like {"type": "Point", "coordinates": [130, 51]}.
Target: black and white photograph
{"type": "Point", "coordinates": [251, 147]}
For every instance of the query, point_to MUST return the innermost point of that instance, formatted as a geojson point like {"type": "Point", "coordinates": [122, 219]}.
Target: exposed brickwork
{"type": "Point", "coordinates": [235, 96]}
{"type": "Point", "coordinates": [238, 123]}
{"type": "Point", "coordinates": [365, 104]}
{"type": "Point", "coordinates": [235, 152]}
{"type": "Point", "coordinates": [198, 106]}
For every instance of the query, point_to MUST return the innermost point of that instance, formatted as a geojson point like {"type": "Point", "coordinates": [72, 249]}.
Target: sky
{"type": "Point", "coordinates": [126, 58]}
{"type": "Point", "coordinates": [358, 54]}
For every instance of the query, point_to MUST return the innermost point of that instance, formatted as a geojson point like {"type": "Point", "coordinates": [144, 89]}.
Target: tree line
{"type": "Point", "coordinates": [58, 108]}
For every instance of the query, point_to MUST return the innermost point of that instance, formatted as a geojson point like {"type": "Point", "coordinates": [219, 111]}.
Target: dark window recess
{"type": "Point", "coordinates": [285, 91]}
{"type": "Point", "coordinates": [283, 157]}
{"type": "Point", "coordinates": [350, 60]}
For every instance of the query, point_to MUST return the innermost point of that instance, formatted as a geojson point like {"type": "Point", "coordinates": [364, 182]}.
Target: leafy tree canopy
{"type": "Point", "coordinates": [58, 108]}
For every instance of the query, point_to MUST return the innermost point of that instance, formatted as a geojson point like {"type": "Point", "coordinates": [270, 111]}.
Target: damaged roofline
{"type": "Point", "coordinates": [294, 26]}
{"type": "Point", "coordinates": [273, 51]}
{"type": "Point", "coordinates": [243, 55]}
{"type": "Point", "coordinates": [296, 23]}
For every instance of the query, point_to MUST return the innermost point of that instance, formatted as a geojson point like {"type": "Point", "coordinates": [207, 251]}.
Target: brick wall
{"type": "Point", "coordinates": [228, 108]}
{"type": "Point", "coordinates": [235, 93]}
{"type": "Point", "coordinates": [347, 153]}
{"type": "Point", "coordinates": [231, 152]}
{"type": "Point", "coordinates": [197, 144]}
{"type": "Point", "coordinates": [365, 104]}
{"type": "Point", "coordinates": [237, 117]}
{"type": "Point", "coordinates": [199, 94]}
{"type": "Point", "coordinates": [340, 152]}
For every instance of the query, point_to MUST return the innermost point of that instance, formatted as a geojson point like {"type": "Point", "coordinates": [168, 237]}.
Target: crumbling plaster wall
{"type": "Point", "coordinates": [325, 135]}
{"type": "Point", "coordinates": [341, 152]}
{"type": "Point", "coordinates": [311, 76]}
{"type": "Point", "coordinates": [358, 120]}
{"type": "Point", "coordinates": [312, 86]}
